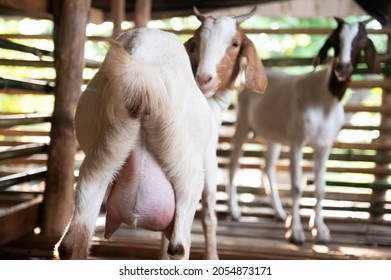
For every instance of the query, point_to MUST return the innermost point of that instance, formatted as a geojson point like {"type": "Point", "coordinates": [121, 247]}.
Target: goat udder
{"type": "Point", "coordinates": [141, 197]}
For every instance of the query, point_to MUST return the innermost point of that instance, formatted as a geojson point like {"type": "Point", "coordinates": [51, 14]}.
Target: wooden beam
{"type": "Point", "coordinates": [97, 16]}
{"type": "Point", "coordinates": [7, 44]}
{"type": "Point", "coordinates": [23, 150]}
{"type": "Point", "coordinates": [22, 177]}
{"type": "Point", "coordinates": [70, 20]}
{"type": "Point", "coordinates": [42, 63]}
{"type": "Point", "coordinates": [36, 8]}
{"type": "Point", "coordinates": [19, 219]}
{"type": "Point", "coordinates": [117, 8]}
{"type": "Point", "coordinates": [142, 12]}
{"type": "Point", "coordinates": [26, 85]}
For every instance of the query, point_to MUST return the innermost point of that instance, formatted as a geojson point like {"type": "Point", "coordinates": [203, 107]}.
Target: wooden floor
{"type": "Point", "coordinates": [256, 236]}
{"type": "Point", "coordinates": [259, 237]}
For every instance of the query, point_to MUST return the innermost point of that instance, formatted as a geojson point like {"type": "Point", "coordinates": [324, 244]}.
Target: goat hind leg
{"type": "Point", "coordinates": [270, 181]}
{"type": "Point", "coordinates": [239, 137]}
{"type": "Point", "coordinates": [188, 190]}
{"type": "Point", "coordinates": [96, 172]}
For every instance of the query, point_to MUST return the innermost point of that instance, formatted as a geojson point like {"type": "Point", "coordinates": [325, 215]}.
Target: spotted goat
{"type": "Point", "coordinates": [299, 111]}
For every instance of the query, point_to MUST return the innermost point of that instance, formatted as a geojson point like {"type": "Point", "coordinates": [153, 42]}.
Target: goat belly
{"type": "Point", "coordinates": [141, 196]}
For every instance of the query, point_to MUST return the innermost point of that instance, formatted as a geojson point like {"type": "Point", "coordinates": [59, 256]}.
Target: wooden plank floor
{"type": "Point", "coordinates": [251, 238]}
{"type": "Point", "coordinates": [256, 236]}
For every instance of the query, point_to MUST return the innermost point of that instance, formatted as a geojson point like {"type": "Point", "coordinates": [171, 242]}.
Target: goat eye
{"type": "Point", "coordinates": [235, 44]}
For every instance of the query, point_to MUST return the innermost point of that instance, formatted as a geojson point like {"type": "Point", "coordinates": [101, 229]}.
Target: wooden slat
{"type": "Point", "coordinates": [345, 126]}
{"type": "Point", "coordinates": [281, 167]}
{"type": "Point", "coordinates": [371, 109]}
{"type": "Point", "coordinates": [7, 44]}
{"type": "Point", "coordinates": [348, 156]}
{"type": "Point", "coordinates": [10, 132]}
{"type": "Point", "coordinates": [7, 84]}
{"type": "Point", "coordinates": [7, 121]}
{"type": "Point", "coordinates": [359, 146]}
{"type": "Point", "coordinates": [36, 8]}
{"type": "Point", "coordinates": [7, 181]}
{"type": "Point", "coordinates": [23, 150]}
{"type": "Point", "coordinates": [18, 220]}
{"type": "Point", "coordinates": [41, 63]}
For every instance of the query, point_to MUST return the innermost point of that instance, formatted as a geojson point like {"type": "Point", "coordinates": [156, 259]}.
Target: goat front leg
{"type": "Point", "coordinates": [295, 231]}
{"type": "Point", "coordinates": [209, 219]}
{"type": "Point", "coordinates": [317, 224]}
{"type": "Point", "coordinates": [270, 181]}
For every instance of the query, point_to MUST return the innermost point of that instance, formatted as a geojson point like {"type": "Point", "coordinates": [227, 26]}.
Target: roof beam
{"type": "Point", "coordinates": [36, 8]}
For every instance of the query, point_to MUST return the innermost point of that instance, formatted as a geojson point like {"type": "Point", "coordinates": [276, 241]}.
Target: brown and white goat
{"type": "Point", "coordinates": [299, 111]}
{"type": "Point", "coordinates": [143, 124]}
{"type": "Point", "coordinates": [215, 52]}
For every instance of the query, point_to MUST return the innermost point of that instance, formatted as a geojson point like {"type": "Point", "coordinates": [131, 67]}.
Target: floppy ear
{"type": "Point", "coordinates": [371, 57]}
{"type": "Point", "coordinates": [255, 78]}
{"type": "Point", "coordinates": [320, 58]}
{"type": "Point", "coordinates": [191, 51]}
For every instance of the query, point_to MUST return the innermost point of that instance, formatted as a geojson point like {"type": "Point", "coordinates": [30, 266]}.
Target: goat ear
{"type": "Point", "coordinates": [320, 58]}
{"type": "Point", "coordinates": [339, 20]}
{"type": "Point", "coordinates": [255, 78]}
{"type": "Point", "coordinates": [191, 52]}
{"type": "Point", "coordinates": [371, 57]}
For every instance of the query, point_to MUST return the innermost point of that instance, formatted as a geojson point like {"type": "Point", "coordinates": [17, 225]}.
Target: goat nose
{"type": "Point", "coordinates": [203, 79]}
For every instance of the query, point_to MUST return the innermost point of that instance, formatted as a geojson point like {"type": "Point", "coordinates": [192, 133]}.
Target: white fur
{"type": "Point", "coordinates": [347, 34]}
{"type": "Point", "coordinates": [216, 37]}
{"type": "Point", "coordinates": [157, 69]}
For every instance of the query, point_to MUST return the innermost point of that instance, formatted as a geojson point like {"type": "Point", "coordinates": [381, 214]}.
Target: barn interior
{"type": "Point", "coordinates": [40, 157]}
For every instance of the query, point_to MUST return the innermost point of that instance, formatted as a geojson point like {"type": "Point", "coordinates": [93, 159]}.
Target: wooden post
{"type": "Point", "coordinates": [70, 19]}
{"type": "Point", "coordinates": [378, 197]}
{"type": "Point", "coordinates": [142, 12]}
{"type": "Point", "coordinates": [117, 9]}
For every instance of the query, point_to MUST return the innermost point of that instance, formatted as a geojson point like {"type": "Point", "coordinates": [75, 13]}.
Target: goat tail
{"type": "Point", "coordinates": [130, 85]}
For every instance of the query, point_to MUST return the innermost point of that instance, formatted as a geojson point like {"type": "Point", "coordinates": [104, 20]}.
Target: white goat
{"type": "Point", "coordinates": [144, 126]}
{"type": "Point", "coordinates": [301, 110]}
{"type": "Point", "coordinates": [217, 41]}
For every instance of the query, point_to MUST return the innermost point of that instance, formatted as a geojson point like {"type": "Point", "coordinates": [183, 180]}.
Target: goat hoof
{"type": "Point", "coordinates": [296, 237]}
{"type": "Point", "coordinates": [236, 214]}
{"type": "Point", "coordinates": [281, 217]}
{"type": "Point", "coordinates": [176, 250]}
{"type": "Point", "coordinates": [322, 236]}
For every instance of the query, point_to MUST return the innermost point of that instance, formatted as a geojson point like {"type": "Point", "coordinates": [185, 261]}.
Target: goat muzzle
{"type": "Point", "coordinates": [343, 71]}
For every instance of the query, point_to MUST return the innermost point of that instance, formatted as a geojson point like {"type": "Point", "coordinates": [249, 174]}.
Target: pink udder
{"type": "Point", "coordinates": [141, 196]}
